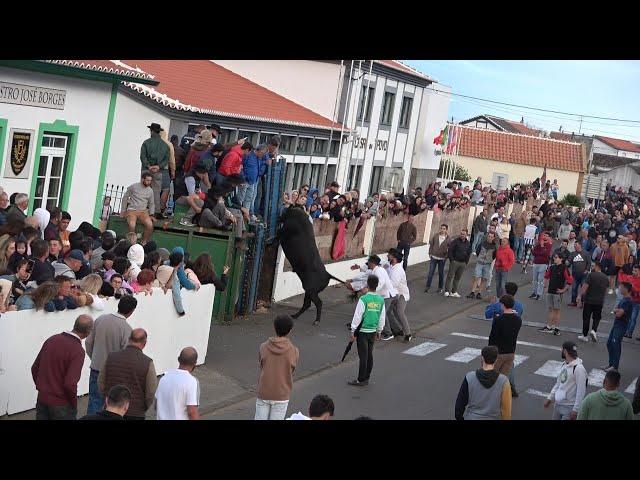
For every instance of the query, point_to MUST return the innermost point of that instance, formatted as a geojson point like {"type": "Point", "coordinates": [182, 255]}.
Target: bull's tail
{"type": "Point", "coordinates": [336, 279]}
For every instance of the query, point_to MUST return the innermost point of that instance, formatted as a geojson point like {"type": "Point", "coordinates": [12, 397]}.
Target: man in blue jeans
{"type": "Point", "coordinates": [438, 250]}
{"type": "Point", "coordinates": [110, 334]}
{"type": "Point", "coordinates": [623, 315]}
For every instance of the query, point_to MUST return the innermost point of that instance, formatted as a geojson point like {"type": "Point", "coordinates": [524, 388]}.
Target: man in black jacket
{"type": "Point", "coordinates": [42, 270]}
{"type": "Point", "coordinates": [459, 254]}
{"type": "Point", "coordinates": [504, 335]}
{"type": "Point", "coordinates": [116, 405]}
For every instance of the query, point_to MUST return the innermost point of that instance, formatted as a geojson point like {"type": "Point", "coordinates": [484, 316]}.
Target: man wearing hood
{"type": "Point", "coordinates": [485, 394]}
{"type": "Point", "coordinates": [607, 403]}
{"type": "Point", "coordinates": [570, 386]}
{"type": "Point", "coordinates": [278, 358]}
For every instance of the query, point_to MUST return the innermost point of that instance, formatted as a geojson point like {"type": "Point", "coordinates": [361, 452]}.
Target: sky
{"type": "Point", "coordinates": [589, 87]}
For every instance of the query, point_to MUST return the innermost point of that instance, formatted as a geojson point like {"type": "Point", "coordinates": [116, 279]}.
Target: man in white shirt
{"type": "Point", "coordinates": [398, 277]}
{"type": "Point", "coordinates": [321, 408]}
{"type": "Point", "coordinates": [178, 393]}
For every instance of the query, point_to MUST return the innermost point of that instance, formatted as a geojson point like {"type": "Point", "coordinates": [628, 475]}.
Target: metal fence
{"type": "Point", "coordinates": [115, 194]}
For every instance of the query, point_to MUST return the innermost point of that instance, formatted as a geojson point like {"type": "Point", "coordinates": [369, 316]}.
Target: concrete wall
{"type": "Point", "coordinates": [23, 333]}
{"type": "Point", "coordinates": [622, 177]}
{"type": "Point", "coordinates": [568, 181]}
{"type": "Point", "coordinates": [86, 106]}
{"type": "Point", "coordinates": [129, 131]}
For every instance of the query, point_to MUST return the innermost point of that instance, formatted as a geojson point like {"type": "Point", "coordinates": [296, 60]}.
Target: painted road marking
{"type": "Point", "coordinates": [518, 359]}
{"type": "Point", "coordinates": [632, 388]}
{"type": "Point", "coordinates": [465, 355]}
{"type": "Point", "coordinates": [551, 368]}
{"type": "Point", "coordinates": [528, 344]}
{"type": "Point", "coordinates": [596, 377]}
{"type": "Point", "coordinates": [424, 348]}
{"type": "Point", "coordinates": [537, 392]}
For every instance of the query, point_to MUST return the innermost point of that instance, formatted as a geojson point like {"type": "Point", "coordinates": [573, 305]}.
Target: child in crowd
{"type": "Point", "coordinates": [17, 256]}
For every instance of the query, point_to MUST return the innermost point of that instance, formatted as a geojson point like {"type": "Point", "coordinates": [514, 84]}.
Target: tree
{"type": "Point", "coordinates": [461, 173]}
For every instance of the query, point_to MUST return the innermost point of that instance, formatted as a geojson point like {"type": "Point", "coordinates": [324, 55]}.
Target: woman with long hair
{"type": "Point", "coordinates": [90, 286]}
{"type": "Point", "coordinates": [7, 249]}
{"type": "Point", "coordinates": [39, 299]}
{"type": "Point", "coordinates": [205, 271]}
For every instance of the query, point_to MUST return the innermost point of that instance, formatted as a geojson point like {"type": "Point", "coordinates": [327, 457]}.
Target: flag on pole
{"type": "Point", "coordinates": [445, 135]}
{"type": "Point", "coordinates": [452, 141]}
{"type": "Point", "coordinates": [438, 139]}
{"type": "Point", "coordinates": [543, 179]}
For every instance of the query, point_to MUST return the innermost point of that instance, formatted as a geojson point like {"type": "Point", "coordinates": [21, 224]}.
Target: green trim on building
{"type": "Point", "coordinates": [3, 136]}
{"type": "Point", "coordinates": [59, 127]}
{"type": "Point", "coordinates": [105, 154]}
{"type": "Point", "coordinates": [69, 71]}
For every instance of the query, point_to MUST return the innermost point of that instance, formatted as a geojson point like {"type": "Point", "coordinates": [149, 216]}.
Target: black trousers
{"type": "Point", "coordinates": [49, 412]}
{"type": "Point", "coordinates": [365, 342]}
{"type": "Point", "coordinates": [404, 249]}
{"type": "Point", "coordinates": [589, 309]}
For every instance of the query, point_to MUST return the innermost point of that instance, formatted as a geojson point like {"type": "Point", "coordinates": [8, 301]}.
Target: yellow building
{"type": "Point", "coordinates": [504, 158]}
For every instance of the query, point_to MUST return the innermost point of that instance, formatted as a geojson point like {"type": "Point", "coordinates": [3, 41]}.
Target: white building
{"type": "Point", "coordinates": [56, 123]}
{"type": "Point", "coordinates": [390, 112]}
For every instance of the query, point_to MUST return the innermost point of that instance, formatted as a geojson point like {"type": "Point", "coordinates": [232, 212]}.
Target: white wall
{"type": "Point", "coordinates": [622, 177]}
{"type": "Point", "coordinates": [601, 147]}
{"type": "Point", "coordinates": [435, 108]}
{"type": "Point", "coordinates": [310, 83]}
{"type": "Point", "coordinates": [23, 333]}
{"type": "Point", "coordinates": [129, 131]}
{"type": "Point", "coordinates": [86, 106]}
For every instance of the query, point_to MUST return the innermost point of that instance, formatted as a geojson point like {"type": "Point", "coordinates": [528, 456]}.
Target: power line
{"type": "Point", "coordinates": [534, 108]}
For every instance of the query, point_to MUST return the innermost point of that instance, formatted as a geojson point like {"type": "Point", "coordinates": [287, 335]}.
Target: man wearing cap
{"type": "Point", "coordinates": [570, 386]}
{"type": "Point", "coordinates": [70, 265]}
{"type": "Point", "coordinates": [154, 157]}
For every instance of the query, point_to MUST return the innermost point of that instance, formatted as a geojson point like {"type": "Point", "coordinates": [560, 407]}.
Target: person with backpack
{"type": "Point", "coordinates": [570, 387]}
{"type": "Point", "coordinates": [560, 280]}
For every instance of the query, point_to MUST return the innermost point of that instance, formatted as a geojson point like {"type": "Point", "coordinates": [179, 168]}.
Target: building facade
{"type": "Point", "coordinates": [56, 121]}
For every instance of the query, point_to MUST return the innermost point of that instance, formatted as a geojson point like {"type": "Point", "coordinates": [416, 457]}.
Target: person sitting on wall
{"type": "Point", "coordinates": [138, 205]}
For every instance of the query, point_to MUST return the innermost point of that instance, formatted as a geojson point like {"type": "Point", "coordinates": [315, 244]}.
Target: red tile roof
{"type": "Point", "coordinates": [205, 87]}
{"type": "Point", "coordinates": [619, 144]}
{"type": "Point", "coordinates": [520, 149]}
{"type": "Point", "coordinates": [567, 137]}
{"type": "Point", "coordinates": [107, 66]}
{"type": "Point", "coordinates": [523, 129]}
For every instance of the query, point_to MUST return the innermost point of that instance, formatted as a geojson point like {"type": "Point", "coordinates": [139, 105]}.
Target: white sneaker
{"type": "Point", "coordinates": [474, 253]}
{"type": "Point", "coordinates": [583, 339]}
{"type": "Point", "coordinates": [610, 291]}
{"type": "Point", "coordinates": [593, 335]}
{"type": "Point", "coordinates": [446, 294]}
{"type": "Point", "coordinates": [455, 295]}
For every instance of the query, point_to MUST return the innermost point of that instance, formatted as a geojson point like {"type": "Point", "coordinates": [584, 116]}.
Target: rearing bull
{"type": "Point", "coordinates": [299, 245]}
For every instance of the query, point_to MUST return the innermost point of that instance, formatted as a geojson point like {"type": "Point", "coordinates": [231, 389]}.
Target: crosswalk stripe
{"type": "Point", "coordinates": [528, 344]}
{"type": "Point", "coordinates": [518, 359]}
{"type": "Point", "coordinates": [537, 392]}
{"type": "Point", "coordinates": [632, 388]}
{"type": "Point", "coordinates": [596, 377]}
{"type": "Point", "coordinates": [424, 348]}
{"type": "Point", "coordinates": [465, 355]}
{"type": "Point", "coordinates": [551, 368]}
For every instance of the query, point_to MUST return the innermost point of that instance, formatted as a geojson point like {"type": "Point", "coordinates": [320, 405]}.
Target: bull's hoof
{"type": "Point", "coordinates": [316, 323]}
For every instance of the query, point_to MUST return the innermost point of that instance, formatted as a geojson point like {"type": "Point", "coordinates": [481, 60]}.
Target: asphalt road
{"type": "Point", "coordinates": [421, 380]}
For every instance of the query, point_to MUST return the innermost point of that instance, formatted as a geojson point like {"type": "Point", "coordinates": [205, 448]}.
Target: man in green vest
{"type": "Point", "coordinates": [366, 326]}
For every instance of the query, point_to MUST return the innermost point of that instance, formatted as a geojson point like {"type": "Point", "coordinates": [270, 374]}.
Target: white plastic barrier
{"type": "Point", "coordinates": [23, 333]}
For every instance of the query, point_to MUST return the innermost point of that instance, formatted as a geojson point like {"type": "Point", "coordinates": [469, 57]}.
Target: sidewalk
{"type": "Point", "coordinates": [230, 373]}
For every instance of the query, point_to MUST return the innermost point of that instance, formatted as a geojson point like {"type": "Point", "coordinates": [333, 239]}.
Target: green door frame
{"type": "Point", "coordinates": [59, 127]}
{"type": "Point", "coordinates": [105, 155]}
{"type": "Point", "coordinates": [3, 136]}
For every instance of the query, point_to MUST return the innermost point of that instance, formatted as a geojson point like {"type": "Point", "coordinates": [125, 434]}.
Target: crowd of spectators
{"type": "Point", "coordinates": [45, 266]}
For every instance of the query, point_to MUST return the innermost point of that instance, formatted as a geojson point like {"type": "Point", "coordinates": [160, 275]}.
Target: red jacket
{"type": "Point", "coordinates": [635, 283]}
{"type": "Point", "coordinates": [232, 162]}
{"type": "Point", "coordinates": [57, 370]}
{"type": "Point", "coordinates": [505, 258]}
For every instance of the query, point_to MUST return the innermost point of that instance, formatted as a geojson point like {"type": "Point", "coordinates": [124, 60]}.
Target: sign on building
{"type": "Point", "coordinates": [32, 96]}
{"type": "Point", "coordinates": [19, 156]}
{"type": "Point", "coordinates": [594, 187]}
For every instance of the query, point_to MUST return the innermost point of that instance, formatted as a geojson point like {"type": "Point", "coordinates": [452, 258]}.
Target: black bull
{"type": "Point", "coordinates": [299, 245]}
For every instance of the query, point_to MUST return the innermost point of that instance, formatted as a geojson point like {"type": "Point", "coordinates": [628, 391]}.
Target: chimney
{"type": "Point", "coordinates": [522, 120]}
